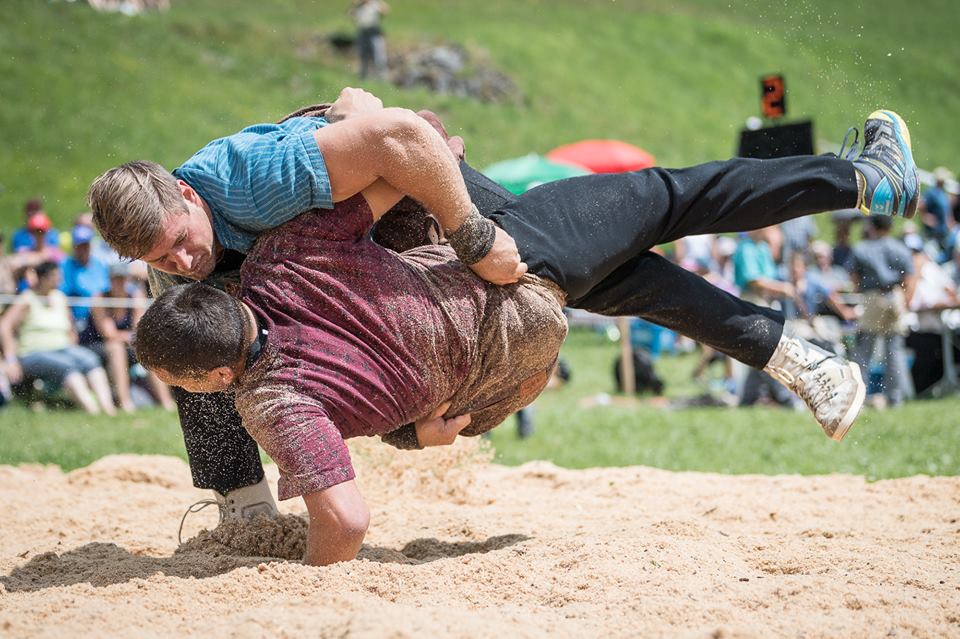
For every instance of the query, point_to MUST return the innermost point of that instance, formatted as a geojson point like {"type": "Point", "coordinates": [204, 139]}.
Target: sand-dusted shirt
{"type": "Point", "coordinates": [362, 340]}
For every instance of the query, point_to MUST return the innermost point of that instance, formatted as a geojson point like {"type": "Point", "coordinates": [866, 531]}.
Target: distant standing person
{"type": "Point", "coordinates": [882, 268]}
{"type": "Point", "coordinates": [938, 221]}
{"type": "Point", "coordinates": [371, 45]}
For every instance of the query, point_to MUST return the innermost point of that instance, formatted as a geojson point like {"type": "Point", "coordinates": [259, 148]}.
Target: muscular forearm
{"type": "Point", "coordinates": [443, 192]}
{"type": "Point", "coordinates": [401, 148]}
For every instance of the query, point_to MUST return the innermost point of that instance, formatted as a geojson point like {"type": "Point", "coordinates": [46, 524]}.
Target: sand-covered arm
{"type": "Point", "coordinates": [338, 523]}
{"type": "Point", "coordinates": [314, 463]}
{"type": "Point", "coordinates": [298, 435]}
{"type": "Point", "coordinates": [409, 154]}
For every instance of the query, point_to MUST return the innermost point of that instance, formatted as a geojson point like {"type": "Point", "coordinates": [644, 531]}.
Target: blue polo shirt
{"type": "Point", "coordinates": [23, 240]}
{"type": "Point", "coordinates": [259, 178]}
{"type": "Point", "coordinates": [84, 280]}
{"type": "Point", "coordinates": [753, 261]}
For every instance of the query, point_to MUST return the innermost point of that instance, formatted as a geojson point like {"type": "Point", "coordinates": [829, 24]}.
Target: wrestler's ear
{"type": "Point", "coordinates": [188, 193]}
{"type": "Point", "coordinates": [220, 377]}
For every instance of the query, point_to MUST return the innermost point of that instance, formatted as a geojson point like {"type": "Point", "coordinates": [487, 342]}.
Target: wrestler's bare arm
{"type": "Point", "coordinates": [338, 515]}
{"type": "Point", "coordinates": [338, 523]}
{"type": "Point", "coordinates": [403, 149]}
{"type": "Point", "coordinates": [381, 197]}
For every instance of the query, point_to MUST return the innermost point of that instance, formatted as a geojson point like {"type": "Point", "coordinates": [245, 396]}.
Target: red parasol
{"type": "Point", "coordinates": [603, 156]}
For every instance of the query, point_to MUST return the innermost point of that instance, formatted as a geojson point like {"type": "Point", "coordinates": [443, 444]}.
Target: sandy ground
{"type": "Point", "coordinates": [460, 547]}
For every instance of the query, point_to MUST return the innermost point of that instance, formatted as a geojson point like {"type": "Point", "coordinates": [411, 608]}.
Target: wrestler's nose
{"type": "Point", "coordinates": [182, 260]}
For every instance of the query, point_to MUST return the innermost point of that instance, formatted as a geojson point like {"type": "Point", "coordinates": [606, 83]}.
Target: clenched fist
{"type": "Point", "coordinates": [352, 102]}
{"type": "Point", "coordinates": [437, 431]}
{"type": "Point", "coordinates": [502, 265]}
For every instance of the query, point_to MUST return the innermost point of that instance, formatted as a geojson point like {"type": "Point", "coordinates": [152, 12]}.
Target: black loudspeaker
{"type": "Point", "coordinates": [777, 141]}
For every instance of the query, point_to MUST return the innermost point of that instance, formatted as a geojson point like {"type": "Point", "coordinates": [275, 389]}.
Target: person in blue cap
{"type": "Point", "coordinates": [83, 274]}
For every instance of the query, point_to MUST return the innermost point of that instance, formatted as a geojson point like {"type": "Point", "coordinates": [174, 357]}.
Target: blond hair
{"type": "Point", "coordinates": [130, 204]}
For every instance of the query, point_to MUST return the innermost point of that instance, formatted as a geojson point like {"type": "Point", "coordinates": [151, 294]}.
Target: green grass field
{"type": "Point", "coordinates": [921, 437]}
{"type": "Point", "coordinates": [84, 91]}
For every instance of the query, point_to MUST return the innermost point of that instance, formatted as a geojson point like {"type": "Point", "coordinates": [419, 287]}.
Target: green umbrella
{"type": "Point", "coordinates": [524, 173]}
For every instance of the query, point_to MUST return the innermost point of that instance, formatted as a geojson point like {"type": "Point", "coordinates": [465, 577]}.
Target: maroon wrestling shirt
{"type": "Point", "coordinates": [362, 340]}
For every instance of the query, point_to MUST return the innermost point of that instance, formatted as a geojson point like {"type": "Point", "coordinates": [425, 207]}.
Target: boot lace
{"type": "Point", "coordinates": [853, 152]}
{"type": "Point", "coordinates": [797, 353]}
{"type": "Point", "coordinates": [195, 508]}
{"type": "Point", "coordinates": [820, 393]}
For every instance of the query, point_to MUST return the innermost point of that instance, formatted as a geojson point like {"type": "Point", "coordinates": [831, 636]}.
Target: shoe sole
{"type": "Point", "coordinates": [851, 415]}
{"type": "Point", "coordinates": [903, 137]}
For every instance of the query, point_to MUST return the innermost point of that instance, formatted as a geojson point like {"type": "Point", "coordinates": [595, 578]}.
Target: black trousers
{"type": "Point", "coordinates": [592, 235]}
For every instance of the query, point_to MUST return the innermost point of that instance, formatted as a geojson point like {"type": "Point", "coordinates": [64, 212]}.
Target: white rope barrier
{"type": "Point", "coordinates": [98, 302]}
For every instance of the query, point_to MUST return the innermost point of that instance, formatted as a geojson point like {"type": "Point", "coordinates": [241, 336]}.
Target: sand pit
{"type": "Point", "coordinates": [460, 547]}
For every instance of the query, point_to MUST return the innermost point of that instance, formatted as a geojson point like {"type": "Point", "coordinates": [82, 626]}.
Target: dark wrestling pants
{"type": "Point", "coordinates": [592, 236]}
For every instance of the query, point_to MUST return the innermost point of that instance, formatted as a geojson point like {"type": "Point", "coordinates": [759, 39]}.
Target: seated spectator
{"type": "Point", "coordinates": [726, 247]}
{"type": "Point", "coordinates": [934, 288]}
{"type": "Point", "coordinates": [755, 271]}
{"type": "Point", "coordinates": [813, 295]}
{"type": "Point", "coordinates": [955, 205]}
{"type": "Point", "coordinates": [829, 273]}
{"type": "Point", "coordinates": [24, 239]}
{"type": "Point", "coordinates": [39, 341]}
{"type": "Point", "coordinates": [952, 268]}
{"type": "Point", "coordinates": [12, 267]}
{"type": "Point", "coordinates": [99, 249]}
{"type": "Point", "coordinates": [83, 274]}
{"type": "Point", "coordinates": [41, 230]}
{"type": "Point", "coordinates": [695, 249]}
{"type": "Point", "coordinates": [843, 226]}
{"type": "Point", "coordinates": [797, 235]}
{"type": "Point", "coordinates": [109, 334]}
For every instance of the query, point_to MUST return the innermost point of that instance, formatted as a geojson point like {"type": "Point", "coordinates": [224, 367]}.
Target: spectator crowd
{"type": "Point", "coordinates": [70, 305]}
{"type": "Point", "coordinates": [881, 291]}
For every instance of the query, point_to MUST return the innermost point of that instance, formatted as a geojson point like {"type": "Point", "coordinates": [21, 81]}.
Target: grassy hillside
{"type": "Point", "coordinates": [83, 91]}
